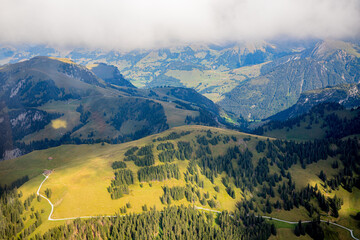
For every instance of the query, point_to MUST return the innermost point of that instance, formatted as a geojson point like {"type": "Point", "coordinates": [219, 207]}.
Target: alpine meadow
{"type": "Point", "coordinates": [168, 119]}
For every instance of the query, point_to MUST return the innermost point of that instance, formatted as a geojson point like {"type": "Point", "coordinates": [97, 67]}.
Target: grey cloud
{"type": "Point", "coordinates": [157, 23]}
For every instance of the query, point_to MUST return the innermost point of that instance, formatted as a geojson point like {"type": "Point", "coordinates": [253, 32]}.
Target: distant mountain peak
{"type": "Point", "coordinates": [328, 47]}
{"type": "Point", "coordinates": [110, 74]}
{"type": "Point", "coordinates": [65, 60]}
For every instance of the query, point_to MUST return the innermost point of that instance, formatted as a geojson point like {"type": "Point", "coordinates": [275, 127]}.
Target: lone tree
{"type": "Point", "coordinates": [48, 193]}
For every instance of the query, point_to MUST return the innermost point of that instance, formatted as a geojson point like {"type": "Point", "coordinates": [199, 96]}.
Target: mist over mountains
{"type": "Point", "coordinates": [158, 24]}
{"type": "Point", "coordinates": [169, 119]}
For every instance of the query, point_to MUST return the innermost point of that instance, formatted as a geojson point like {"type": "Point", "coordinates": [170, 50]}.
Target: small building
{"type": "Point", "coordinates": [50, 158]}
{"type": "Point", "coordinates": [47, 172]}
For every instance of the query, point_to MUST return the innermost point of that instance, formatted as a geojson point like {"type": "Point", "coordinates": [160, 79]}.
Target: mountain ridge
{"type": "Point", "coordinates": [234, 75]}
{"type": "Point", "coordinates": [345, 94]}
{"type": "Point", "coordinates": [48, 102]}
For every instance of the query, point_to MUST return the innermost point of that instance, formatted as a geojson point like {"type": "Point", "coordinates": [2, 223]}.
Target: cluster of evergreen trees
{"type": "Point", "coordinates": [205, 118]}
{"type": "Point", "coordinates": [243, 174]}
{"type": "Point", "coordinates": [118, 164]}
{"type": "Point", "coordinates": [317, 112]}
{"type": "Point", "coordinates": [176, 193]}
{"type": "Point", "coordinates": [144, 156]}
{"type": "Point", "coordinates": [165, 146]}
{"type": "Point", "coordinates": [159, 173]}
{"type": "Point", "coordinates": [168, 152]}
{"type": "Point", "coordinates": [172, 223]}
{"type": "Point", "coordinates": [12, 220]}
{"type": "Point", "coordinates": [131, 151]}
{"type": "Point", "coordinates": [167, 156]}
{"type": "Point", "coordinates": [140, 110]}
{"type": "Point", "coordinates": [340, 127]}
{"type": "Point", "coordinates": [119, 185]}
{"type": "Point", "coordinates": [335, 125]}
{"type": "Point", "coordinates": [313, 228]}
{"type": "Point", "coordinates": [173, 136]}
{"type": "Point", "coordinates": [203, 140]}
{"type": "Point", "coordinates": [184, 150]}
{"type": "Point", "coordinates": [11, 209]}
{"type": "Point", "coordinates": [283, 154]}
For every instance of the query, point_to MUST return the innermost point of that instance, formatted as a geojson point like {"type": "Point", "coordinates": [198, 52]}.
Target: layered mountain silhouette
{"type": "Point", "coordinates": [254, 80]}
{"type": "Point", "coordinates": [48, 101]}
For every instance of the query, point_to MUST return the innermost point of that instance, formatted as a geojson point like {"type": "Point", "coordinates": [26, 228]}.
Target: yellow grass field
{"type": "Point", "coordinates": [82, 173]}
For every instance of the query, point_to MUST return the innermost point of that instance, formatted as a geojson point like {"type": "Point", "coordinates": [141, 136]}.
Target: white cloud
{"type": "Point", "coordinates": [154, 23]}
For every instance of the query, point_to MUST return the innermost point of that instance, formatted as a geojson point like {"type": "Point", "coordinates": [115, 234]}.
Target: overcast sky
{"type": "Point", "coordinates": [157, 23]}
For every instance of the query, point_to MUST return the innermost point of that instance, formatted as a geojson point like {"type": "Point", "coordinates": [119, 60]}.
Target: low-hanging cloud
{"type": "Point", "coordinates": [128, 24]}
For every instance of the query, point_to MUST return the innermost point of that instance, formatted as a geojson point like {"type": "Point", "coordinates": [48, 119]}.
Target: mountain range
{"type": "Point", "coordinates": [47, 101]}
{"type": "Point", "coordinates": [253, 80]}
{"type": "Point", "coordinates": [137, 133]}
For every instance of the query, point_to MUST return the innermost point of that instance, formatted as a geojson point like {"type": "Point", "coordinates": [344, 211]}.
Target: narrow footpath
{"type": "Point", "coordinates": [196, 207]}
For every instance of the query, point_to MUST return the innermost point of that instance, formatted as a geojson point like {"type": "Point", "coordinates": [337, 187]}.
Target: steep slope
{"type": "Point", "coordinates": [36, 82]}
{"type": "Point", "coordinates": [47, 102]}
{"type": "Point", "coordinates": [110, 74]}
{"type": "Point", "coordinates": [345, 94]}
{"type": "Point", "coordinates": [282, 81]}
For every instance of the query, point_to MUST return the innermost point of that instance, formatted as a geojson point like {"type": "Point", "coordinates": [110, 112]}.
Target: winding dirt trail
{"type": "Point", "coordinates": [281, 220]}
{"type": "Point", "coordinates": [52, 206]}
{"type": "Point", "coordinates": [196, 207]}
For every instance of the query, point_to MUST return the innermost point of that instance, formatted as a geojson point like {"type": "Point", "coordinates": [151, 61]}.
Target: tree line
{"type": "Point", "coordinates": [172, 223]}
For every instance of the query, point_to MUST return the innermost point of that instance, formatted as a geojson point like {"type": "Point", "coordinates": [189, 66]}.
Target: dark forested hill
{"type": "Point", "coordinates": [48, 101]}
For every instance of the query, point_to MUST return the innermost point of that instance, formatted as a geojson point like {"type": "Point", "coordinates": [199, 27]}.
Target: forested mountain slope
{"type": "Point", "coordinates": [346, 95]}
{"type": "Point", "coordinates": [325, 120]}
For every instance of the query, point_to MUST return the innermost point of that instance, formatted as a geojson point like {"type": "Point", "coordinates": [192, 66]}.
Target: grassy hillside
{"type": "Point", "coordinates": [82, 175]}
{"type": "Point", "coordinates": [322, 121]}
{"type": "Point", "coordinates": [47, 102]}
